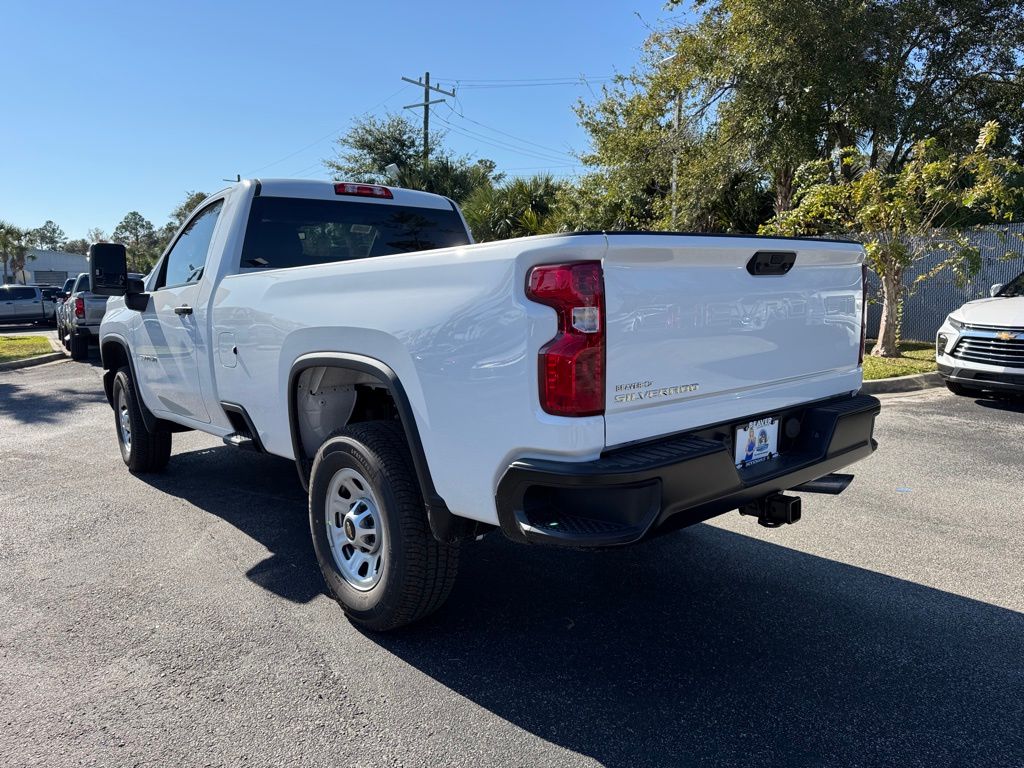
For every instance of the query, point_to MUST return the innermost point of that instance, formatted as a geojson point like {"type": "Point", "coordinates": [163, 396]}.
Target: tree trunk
{"type": "Point", "coordinates": [889, 326]}
{"type": "Point", "coordinates": [784, 189]}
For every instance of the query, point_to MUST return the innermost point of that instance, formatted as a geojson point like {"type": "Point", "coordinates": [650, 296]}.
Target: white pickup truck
{"type": "Point", "coordinates": [585, 389]}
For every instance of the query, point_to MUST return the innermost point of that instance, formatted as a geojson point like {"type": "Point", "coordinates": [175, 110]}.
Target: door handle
{"type": "Point", "coordinates": [184, 309]}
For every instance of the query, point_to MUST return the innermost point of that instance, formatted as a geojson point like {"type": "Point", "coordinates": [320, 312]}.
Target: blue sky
{"type": "Point", "coordinates": [110, 107]}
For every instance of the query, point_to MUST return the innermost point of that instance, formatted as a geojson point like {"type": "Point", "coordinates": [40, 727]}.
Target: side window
{"type": "Point", "coordinates": [185, 263]}
{"type": "Point", "coordinates": [23, 294]}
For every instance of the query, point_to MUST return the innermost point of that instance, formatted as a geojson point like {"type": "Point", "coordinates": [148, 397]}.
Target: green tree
{"type": "Point", "coordinates": [184, 209]}
{"type": "Point", "coordinates": [902, 216]}
{"type": "Point", "coordinates": [78, 245]}
{"type": "Point", "coordinates": [373, 143]}
{"type": "Point", "coordinates": [49, 237]}
{"type": "Point", "coordinates": [179, 216]}
{"type": "Point", "coordinates": [515, 208]}
{"type": "Point", "coordinates": [14, 245]}
{"type": "Point", "coordinates": [139, 237]}
{"type": "Point", "coordinates": [763, 86]}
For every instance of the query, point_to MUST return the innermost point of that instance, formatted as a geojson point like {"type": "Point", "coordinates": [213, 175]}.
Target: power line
{"type": "Point", "coordinates": [504, 133]}
{"type": "Point", "coordinates": [568, 78]}
{"type": "Point", "coordinates": [312, 144]}
{"type": "Point", "coordinates": [587, 83]}
{"type": "Point", "coordinates": [499, 144]}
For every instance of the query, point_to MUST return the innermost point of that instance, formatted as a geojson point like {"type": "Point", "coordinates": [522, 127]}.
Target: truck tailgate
{"type": "Point", "coordinates": [95, 308]}
{"type": "Point", "coordinates": [694, 338]}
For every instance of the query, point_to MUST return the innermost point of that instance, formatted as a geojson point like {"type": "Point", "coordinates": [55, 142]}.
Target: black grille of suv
{"type": "Point", "coordinates": [1007, 352]}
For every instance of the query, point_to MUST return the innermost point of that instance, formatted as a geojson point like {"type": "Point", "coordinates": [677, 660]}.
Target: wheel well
{"type": "Point", "coordinates": [328, 398]}
{"type": "Point", "coordinates": [114, 357]}
{"type": "Point", "coordinates": [329, 391]}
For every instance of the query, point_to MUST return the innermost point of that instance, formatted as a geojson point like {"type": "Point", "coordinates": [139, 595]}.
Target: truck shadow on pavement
{"type": "Point", "coordinates": [1008, 405]}
{"type": "Point", "coordinates": [25, 404]}
{"type": "Point", "coordinates": [259, 495]}
{"type": "Point", "coordinates": [708, 647]}
{"type": "Point", "coordinates": [704, 647]}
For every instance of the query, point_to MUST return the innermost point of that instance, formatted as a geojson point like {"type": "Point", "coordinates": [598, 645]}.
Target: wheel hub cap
{"type": "Point", "coordinates": [354, 529]}
{"type": "Point", "coordinates": [124, 419]}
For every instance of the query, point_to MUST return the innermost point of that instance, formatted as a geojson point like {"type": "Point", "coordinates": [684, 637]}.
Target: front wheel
{"type": "Point", "coordinates": [142, 449]}
{"type": "Point", "coordinates": [370, 530]}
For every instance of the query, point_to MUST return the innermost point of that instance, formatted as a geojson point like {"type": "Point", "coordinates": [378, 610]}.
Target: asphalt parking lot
{"type": "Point", "coordinates": [180, 619]}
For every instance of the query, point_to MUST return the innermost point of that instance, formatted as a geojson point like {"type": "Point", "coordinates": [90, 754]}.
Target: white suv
{"type": "Point", "coordinates": [980, 347]}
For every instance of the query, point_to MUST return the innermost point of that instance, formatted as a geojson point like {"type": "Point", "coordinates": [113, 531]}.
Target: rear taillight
{"type": "Point", "coordinates": [363, 190]}
{"type": "Point", "coordinates": [863, 313]}
{"type": "Point", "coordinates": [571, 365]}
{"type": "Point", "coordinates": [79, 307]}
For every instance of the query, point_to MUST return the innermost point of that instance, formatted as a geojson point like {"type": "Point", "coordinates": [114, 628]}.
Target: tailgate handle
{"type": "Point", "coordinates": [771, 263]}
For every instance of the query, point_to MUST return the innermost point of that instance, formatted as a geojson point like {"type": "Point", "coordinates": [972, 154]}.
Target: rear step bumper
{"type": "Point", "coordinates": [675, 481]}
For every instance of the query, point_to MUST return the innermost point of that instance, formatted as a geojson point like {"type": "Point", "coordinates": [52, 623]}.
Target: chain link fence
{"type": "Point", "coordinates": [926, 305]}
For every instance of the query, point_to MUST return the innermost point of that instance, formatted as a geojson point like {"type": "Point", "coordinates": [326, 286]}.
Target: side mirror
{"type": "Point", "coordinates": [108, 269]}
{"type": "Point", "coordinates": [995, 289]}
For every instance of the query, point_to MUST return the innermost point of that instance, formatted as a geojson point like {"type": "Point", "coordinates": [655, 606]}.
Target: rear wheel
{"type": "Point", "coordinates": [79, 346]}
{"type": "Point", "coordinates": [370, 530]}
{"type": "Point", "coordinates": [142, 449]}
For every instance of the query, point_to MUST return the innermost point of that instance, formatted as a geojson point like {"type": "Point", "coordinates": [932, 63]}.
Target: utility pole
{"type": "Point", "coordinates": [425, 104]}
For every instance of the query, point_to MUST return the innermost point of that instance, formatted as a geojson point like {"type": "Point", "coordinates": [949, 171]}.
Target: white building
{"type": "Point", "coordinates": [51, 267]}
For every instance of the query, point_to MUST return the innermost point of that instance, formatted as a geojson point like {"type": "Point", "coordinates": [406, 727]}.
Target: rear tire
{"type": "Point", "coordinates": [142, 450]}
{"type": "Point", "coordinates": [370, 531]}
{"type": "Point", "coordinates": [79, 347]}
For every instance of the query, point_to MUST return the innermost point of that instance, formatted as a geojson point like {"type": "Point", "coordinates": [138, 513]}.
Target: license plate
{"type": "Point", "coordinates": [756, 442]}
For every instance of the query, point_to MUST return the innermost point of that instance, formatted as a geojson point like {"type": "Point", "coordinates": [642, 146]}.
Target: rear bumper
{"type": "Point", "coordinates": [982, 379]}
{"type": "Point", "coordinates": [672, 482]}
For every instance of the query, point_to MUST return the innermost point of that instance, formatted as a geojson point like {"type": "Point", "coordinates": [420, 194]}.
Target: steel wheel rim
{"type": "Point", "coordinates": [124, 420]}
{"type": "Point", "coordinates": [354, 529]}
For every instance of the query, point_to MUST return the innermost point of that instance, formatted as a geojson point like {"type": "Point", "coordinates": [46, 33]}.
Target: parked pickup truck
{"type": "Point", "coordinates": [78, 324]}
{"type": "Point", "coordinates": [584, 389]}
{"type": "Point", "coordinates": [25, 304]}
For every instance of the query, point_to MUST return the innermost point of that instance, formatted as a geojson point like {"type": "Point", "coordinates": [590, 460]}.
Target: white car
{"type": "Point", "coordinates": [980, 347]}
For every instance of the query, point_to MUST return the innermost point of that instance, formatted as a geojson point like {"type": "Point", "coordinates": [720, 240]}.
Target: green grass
{"type": "Point", "coordinates": [915, 357]}
{"type": "Point", "coordinates": [19, 347]}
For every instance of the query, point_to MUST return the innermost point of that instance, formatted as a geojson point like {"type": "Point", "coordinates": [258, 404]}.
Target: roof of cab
{"type": "Point", "coordinates": [324, 190]}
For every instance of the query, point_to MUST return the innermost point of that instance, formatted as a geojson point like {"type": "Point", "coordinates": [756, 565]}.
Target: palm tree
{"type": "Point", "coordinates": [13, 248]}
{"type": "Point", "coordinates": [517, 208]}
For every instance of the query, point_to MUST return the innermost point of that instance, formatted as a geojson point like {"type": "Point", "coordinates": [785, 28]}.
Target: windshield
{"type": "Point", "coordinates": [1013, 288]}
{"type": "Point", "coordinates": [296, 232]}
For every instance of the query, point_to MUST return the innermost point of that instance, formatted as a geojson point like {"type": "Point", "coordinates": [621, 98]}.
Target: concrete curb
{"type": "Point", "coordinates": [28, 362]}
{"type": "Point", "coordinates": [910, 383]}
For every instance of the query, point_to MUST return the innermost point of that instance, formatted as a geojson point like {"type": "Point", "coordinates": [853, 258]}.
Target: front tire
{"type": "Point", "coordinates": [962, 391]}
{"type": "Point", "coordinates": [370, 531]}
{"type": "Point", "coordinates": [143, 450]}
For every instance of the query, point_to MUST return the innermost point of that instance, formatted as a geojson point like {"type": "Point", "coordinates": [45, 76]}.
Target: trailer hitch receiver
{"type": "Point", "coordinates": [775, 510]}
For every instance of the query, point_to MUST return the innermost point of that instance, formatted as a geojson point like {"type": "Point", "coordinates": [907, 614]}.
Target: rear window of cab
{"type": "Point", "coordinates": [294, 232]}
